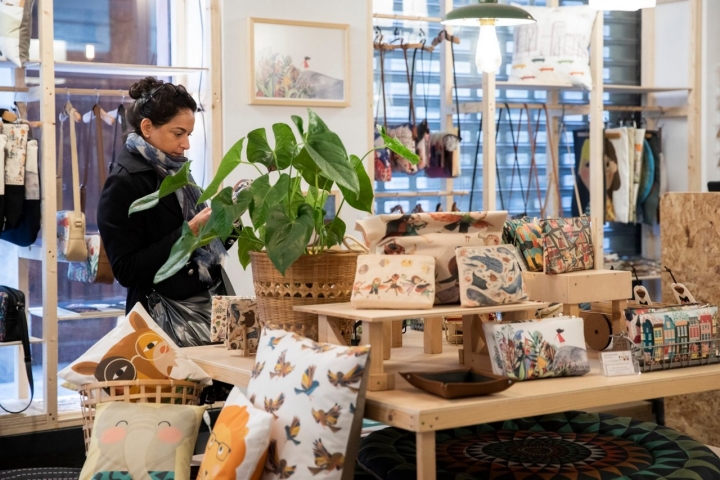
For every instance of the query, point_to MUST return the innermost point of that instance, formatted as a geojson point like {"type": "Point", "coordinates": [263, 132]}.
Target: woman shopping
{"type": "Point", "coordinates": [160, 122]}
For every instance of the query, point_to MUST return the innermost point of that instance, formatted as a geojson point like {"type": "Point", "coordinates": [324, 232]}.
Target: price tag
{"type": "Point", "coordinates": [617, 364]}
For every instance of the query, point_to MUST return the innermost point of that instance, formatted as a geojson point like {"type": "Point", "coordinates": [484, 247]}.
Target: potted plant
{"type": "Point", "coordinates": [285, 236]}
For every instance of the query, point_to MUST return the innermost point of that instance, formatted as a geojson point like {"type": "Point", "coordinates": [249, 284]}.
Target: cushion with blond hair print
{"type": "Point", "coordinates": [238, 446]}
{"type": "Point", "coordinates": [137, 349]}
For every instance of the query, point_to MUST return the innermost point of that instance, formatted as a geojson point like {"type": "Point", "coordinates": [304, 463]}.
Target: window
{"type": "Point", "coordinates": [622, 66]}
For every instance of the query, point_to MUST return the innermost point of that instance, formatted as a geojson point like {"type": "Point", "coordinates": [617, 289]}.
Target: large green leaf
{"type": "Point", "coordinates": [396, 146]}
{"type": "Point", "coordinates": [179, 254]}
{"type": "Point", "coordinates": [310, 172]}
{"type": "Point", "coordinates": [248, 242]}
{"type": "Point", "coordinates": [363, 201]}
{"type": "Point", "coordinates": [316, 198]}
{"type": "Point", "coordinates": [266, 196]}
{"type": "Point", "coordinates": [335, 232]}
{"type": "Point", "coordinates": [285, 145]}
{"type": "Point", "coordinates": [169, 185]}
{"type": "Point", "coordinates": [316, 124]}
{"type": "Point", "coordinates": [258, 149]}
{"type": "Point", "coordinates": [225, 213]}
{"type": "Point", "coordinates": [298, 197]}
{"type": "Point", "coordinates": [332, 160]}
{"type": "Point", "coordinates": [287, 238]}
{"type": "Point", "coordinates": [229, 162]}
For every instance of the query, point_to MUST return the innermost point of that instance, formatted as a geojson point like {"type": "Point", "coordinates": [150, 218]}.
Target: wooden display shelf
{"type": "Point", "coordinates": [633, 89]}
{"type": "Point", "coordinates": [14, 344]}
{"type": "Point", "coordinates": [377, 328]}
{"type": "Point", "coordinates": [118, 69]}
{"type": "Point", "coordinates": [63, 314]}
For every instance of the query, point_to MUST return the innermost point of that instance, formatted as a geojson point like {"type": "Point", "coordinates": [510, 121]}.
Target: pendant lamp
{"type": "Point", "coordinates": [624, 5]}
{"type": "Point", "coordinates": [488, 14]}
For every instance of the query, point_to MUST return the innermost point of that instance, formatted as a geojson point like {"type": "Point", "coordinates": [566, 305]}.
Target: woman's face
{"type": "Point", "coordinates": [173, 137]}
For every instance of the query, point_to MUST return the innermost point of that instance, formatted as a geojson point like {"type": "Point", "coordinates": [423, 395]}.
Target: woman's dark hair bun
{"type": "Point", "coordinates": [144, 87]}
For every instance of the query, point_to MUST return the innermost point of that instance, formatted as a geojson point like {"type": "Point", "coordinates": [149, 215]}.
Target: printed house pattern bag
{"type": "Point", "coordinates": [568, 245]}
{"type": "Point", "coordinates": [434, 234]}
{"type": "Point", "coordinates": [394, 282]}
{"type": "Point", "coordinates": [489, 276]}
{"type": "Point", "coordinates": [526, 236]}
{"type": "Point", "coordinates": [527, 350]}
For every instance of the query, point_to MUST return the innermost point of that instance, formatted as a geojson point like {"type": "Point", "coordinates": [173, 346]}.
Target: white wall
{"type": "Point", "coordinates": [711, 91]}
{"type": "Point", "coordinates": [350, 123]}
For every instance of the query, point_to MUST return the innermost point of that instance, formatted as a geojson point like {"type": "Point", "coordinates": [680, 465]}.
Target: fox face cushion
{"type": "Point", "coordinates": [137, 349]}
{"type": "Point", "coordinates": [315, 393]}
{"type": "Point", "coordinates": [489, 276]}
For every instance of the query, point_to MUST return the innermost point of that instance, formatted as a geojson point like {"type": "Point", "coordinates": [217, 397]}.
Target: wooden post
{"type": "Point", "coordinates": [425, 444]}
{"type": "Point", "coordinates": [694, 165]}
{"type": "Point", "coordinates": [387, 339]}
{"type": "Point", "coordinates": [597, 174]}
{"type": "Point", "coordinates": [397, 326]}
{"type": "Point", "coordinates": [447, 104]}
{"type": "Point", "coordinates": [489, 147]}
{"type": "Point", "coordinates": [215, 149]}
{"type": "Point", "coordinates": [552, 159]}
{"type": "Point", "coordinates": [432, 334]}
{"type": "Point", "coordinates": [49, 226]}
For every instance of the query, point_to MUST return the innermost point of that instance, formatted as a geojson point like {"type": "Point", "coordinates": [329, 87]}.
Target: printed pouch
{"type": "Point", "coordinates": [242, 325]}
{"type": "Point", "coordinates": [567, 244]}
{"type": "Point", "coordinates": [394, 282]}
{"type": "Point", "coordinates": [526, 236]}
{"type": "Point", "coordinates": [436, 234]}
{"type": "Point", "coordinates": [489, 276]}
{"type": "Point", "coordinates": [527, 350]}
{"type": "Point", "coordinates": [96, 269]}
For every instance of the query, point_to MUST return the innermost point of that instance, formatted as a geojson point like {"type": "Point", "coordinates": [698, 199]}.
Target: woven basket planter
{"type": "Point", "coordinates": [172, 392]}
{"type": "Point", "coordinates": [311, 280]}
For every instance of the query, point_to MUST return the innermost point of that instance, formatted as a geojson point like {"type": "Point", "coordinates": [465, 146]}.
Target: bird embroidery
{"type": "Point", "coordinates": [257, 369]}
{"type": "Point", "coordinates": [319, 347]}
{"type": "Point", "coordinates": [272, 406]}
{"type": "Point", "coordinates": [274, 341]}
{"type": "Point", "coordinates": [328, 419]}
{"type": "Point", "coordinates": [354, 351]}
{"type": "Point", "coordinates": [252, 399]}
{"type": "Point", "coordinates": [292, 430]}
{"type": "Point", "coordinates": [341, 379]}
{"type": "Point", "coordinates": [278, 466]}
{"type": "Point", "coordinates": [325, 461]}
{"type": "Point", "coordinates": [308, 384]}
{"type": "Point", "coordinates": [282, 368]}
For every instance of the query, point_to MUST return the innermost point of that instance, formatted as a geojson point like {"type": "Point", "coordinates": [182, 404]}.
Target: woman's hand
{"type": "Point", "coordinates": [199, 220]}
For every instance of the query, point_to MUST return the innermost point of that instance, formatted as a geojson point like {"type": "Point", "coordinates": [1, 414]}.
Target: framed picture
{"type": "Point", "coordinates": [299, 63]}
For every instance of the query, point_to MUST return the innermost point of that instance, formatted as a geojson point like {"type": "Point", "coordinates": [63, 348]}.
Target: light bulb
{"type": "Point", "coordinates": [622, 5]}
{"type": "Point", "coordinates": [488, 57]}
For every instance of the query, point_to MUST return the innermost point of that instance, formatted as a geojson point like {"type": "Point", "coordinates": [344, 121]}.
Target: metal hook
{"type": "Point", "coordinates": [637, 279]}
{"type": "Point", "coordinates": [671, 274]}
{"type": "Point", "coordinates": [97, 96]}
{"type": "Point", "coordinates": [67, 90]}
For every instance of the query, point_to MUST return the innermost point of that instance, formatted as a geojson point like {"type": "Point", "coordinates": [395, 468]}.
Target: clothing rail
{"type": "Point", "coordinates": [403, 46]}
{"type": "Point", "coordinates": [411, 18]}
{"type": "Point", "coordinates": [34, 93]}
{"type": "Point", "coordinates": [437, 193]}
{"type": "Point", "coordinates": [575, 109]}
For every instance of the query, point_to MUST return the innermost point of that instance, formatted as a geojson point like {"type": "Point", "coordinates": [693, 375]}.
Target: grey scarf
{"type": "Point", "coordinates": [187, 196]}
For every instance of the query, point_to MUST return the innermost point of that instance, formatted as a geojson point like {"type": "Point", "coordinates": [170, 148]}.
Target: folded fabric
{"type": "Point", "coordinates": [489, 276]}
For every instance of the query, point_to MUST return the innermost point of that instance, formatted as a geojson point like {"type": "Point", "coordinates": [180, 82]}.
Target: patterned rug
{"type": "Point", "coordinates": [563, 446]}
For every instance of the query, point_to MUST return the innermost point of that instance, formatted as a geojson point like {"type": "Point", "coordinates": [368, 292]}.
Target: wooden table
{"type": "Point", "coordinates": [377, 329]}
{"type": "Point", "coordinates": [413, 410]}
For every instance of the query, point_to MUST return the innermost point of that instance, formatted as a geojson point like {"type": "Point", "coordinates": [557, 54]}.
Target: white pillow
{"type": "Point", "coordinates": [556, 48]}
{"type": "Point", "coordinates": [136, 349]}
{"type": "Point", "coordinates": [11, 16]}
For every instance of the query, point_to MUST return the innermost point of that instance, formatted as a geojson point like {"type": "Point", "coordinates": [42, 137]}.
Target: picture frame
{"type": "Point", "coordinates": [299, 63]}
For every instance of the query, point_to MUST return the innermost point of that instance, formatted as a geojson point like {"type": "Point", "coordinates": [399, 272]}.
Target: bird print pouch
{"type": "Point", "coordinates": [567, 245]}
{"type": "Point", "coordinates": [405, 282]}
{"type": "Point", "coordinates": [436, 234]}
{"type": "Point", "coordinates": [528, 350]}
{"type": "Point", "coordinates": [315, 392]}
{"type": "Point", "coordinates": [489, 276]}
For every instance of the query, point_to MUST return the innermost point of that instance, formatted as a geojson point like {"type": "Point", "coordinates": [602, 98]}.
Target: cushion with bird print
{"type": "Point", "coordinates": [142, 440]}
{"type": "Point", "coordinates": [394, 282]}
{"type": "Point", "coordinates": [434, 234]}
{"type": "Point", "coordinates": [489, 276]}
{"type": "Point", "coordinates": [237, 448]}
{"type": "Point", "coordinates": [136, 349]}
{"type": "Point", "coordinates": [526, 350]}
{"type": "Point", "coordinates": [316, 394]}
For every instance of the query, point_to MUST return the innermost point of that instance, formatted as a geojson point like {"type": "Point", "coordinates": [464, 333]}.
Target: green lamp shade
{"type": "Point", "coordinates": [504, 15]}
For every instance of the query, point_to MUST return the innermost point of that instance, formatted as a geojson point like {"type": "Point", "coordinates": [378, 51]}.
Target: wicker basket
{"type": "Point", "coordinates": [178, 392]}
{"type": "Point", "coordinates": [311, 280]}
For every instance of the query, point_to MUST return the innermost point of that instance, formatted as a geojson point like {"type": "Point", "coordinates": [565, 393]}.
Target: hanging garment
{"type": "Point", "coordinates": [631, 171]}
{"type": "Point", "coordinates": [621, 197]}
{"type": "Point", "coordinates": [15, 158]}
{"type": "Point", "coordinates": [611, 180]}
{"type": "Point", "coordinates": [639, 143]}
{"type": "Point", "coordinates": [651, 205]}
{"type": "Point", "coordinates": [27, 229]}
{"type": "Point", "coordinates": [647, 179]}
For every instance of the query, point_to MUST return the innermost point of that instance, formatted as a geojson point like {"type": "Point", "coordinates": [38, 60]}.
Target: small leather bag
{"type": "Point", "coordinates": [489, 276]}
{"type": "Point", "coordinates": [96, 268]}
{"type": "Point", "coordinates": [71, 223]}
{"type": "Point", "coordinates": [14, 328]}
{"type": "Point", "coordinates": [405, 282]}
{"type": "Point", "coordinates": [567, 245]}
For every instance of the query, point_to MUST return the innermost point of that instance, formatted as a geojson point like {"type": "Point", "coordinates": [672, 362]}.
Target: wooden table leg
{"type": "Point", "coordinates": [373, 334]}
{"type": "Point", "coordinates": [425, 444]}
{"type": "Point", "coordinates": [618, 317]}
{"type": "Point", "coordinates": [432, 333]}
{"type": "Point", "coordinates": [571, 309]}
{"type": "Point", "coordinates": [397, 333]}
{"type": "Point", "coordinates": [387, 336]}
{"type": "Point", "coordinates": [329, 330]}
{"type": "Point", "coordinates": [475, 352]}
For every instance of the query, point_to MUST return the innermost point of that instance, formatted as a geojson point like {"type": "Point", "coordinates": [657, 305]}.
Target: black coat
{"type": "Point", "coordinates": [139, 244]}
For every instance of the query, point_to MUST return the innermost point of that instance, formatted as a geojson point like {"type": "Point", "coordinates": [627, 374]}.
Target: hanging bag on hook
{"type": "Point", "coordinates": [383, 171]}
{"type": "Point", "coordinates": [15, 151]}
{"type": "Point", "coordinates": [406, 133]}
{"type": "Point", "coordinates": [422, 144]}
{"type": "Point", "coordinates": [71, 223]}
{"type": "Point", "coordinates": [26, 231]}
{"type": "Point", "coordinates": [96, 268]}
